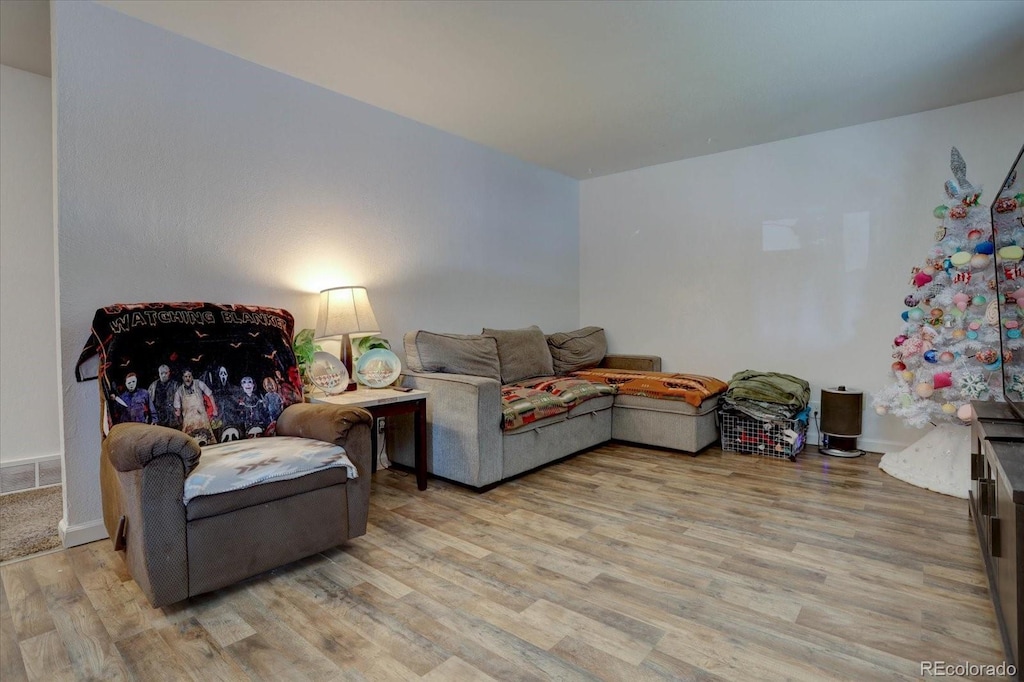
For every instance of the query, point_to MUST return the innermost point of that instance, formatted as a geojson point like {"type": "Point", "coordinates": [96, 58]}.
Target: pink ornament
{"type": "Point", "coordinates": [974, 326]}
{"type": "Point", "coordinates": [946, 357]}
{"type": "Point", "coordinates": [900, 340]}
{"type": "Point", "coordinates": [1012, 324]}
{"type": "Point", "coordinates": [965, 412]}
{"type": "Point", "coordinates": [922, 278]}
{"type": "Point", "coordinates": [974, 234]}
{"type": "Point", "coordinates": [942, 380]}
{"type": "Point", "coordinates": [924, 390]}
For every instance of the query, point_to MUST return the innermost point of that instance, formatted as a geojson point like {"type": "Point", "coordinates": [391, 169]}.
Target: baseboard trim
{"type": "Point", "coordinates": [81, 533]}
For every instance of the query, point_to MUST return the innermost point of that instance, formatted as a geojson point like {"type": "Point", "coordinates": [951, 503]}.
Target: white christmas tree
{"type": "Point", "coordinates": [947, 351]}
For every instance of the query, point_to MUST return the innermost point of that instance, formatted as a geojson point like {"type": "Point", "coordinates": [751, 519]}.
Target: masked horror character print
{"type": "Point", "coordinates": [161, 398]}
{"type": "Point", "coordinates": [134, 400]}
{"type": "Point", "coordinates": [190, 408]}
{"type": "Point", "coordinates": [255, 417]}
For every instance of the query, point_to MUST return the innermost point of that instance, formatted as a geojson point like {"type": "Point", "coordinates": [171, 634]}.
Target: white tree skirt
{"type": "Point", "coordinates": [941, 461]}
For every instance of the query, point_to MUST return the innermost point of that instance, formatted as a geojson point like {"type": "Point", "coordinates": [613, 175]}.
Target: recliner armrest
{"type": "Point", "coordinates": [643, 363]}
{"type": "Point", "coordinates": [132, 446]}
{"type": "Point", "coordinates": [321, 421]}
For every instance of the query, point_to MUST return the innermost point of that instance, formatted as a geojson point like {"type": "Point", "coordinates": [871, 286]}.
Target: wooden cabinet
{"type": "Point", "coordinates": [997, 507]}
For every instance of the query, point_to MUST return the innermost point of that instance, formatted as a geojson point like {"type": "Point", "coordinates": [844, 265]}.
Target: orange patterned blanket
{"type": "Point", "coordinates": [692, 388]}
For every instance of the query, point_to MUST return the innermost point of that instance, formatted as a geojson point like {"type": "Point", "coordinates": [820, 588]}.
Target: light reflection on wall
{"type": "Point", "coordinates": [779, 235]}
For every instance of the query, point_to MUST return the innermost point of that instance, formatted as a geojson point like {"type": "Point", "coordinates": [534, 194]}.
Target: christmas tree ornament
{"type": "Point", "coordinates": [965, 413]}
{"type": "Point", "coordinates": [946, 357]}
{"type": "Point", "coordinates": [1011, 254]}
{"type": "Point", "coordinates": [986, 247]}
{"type": "Point", "coordinates": [940, 212]}
{"type": "Point", "coordinates": [931, 356]}
{"type": "Point", "coordinates": [922, 278]}
{"type": "Point", "coordinates": [911, 300]}
{"type": "Point", "coordinates": [973, 386]}
{"type": "Point", "coordinates": [979, 261]}
{"type": "Point", "coordinates": [948, 408]}
{"type": "Point", "coordinates": [942, 380]}
{"type": "Point", "coordinates": [960, 259]}
{"type": "Point", "coordinates": [974, 235]}
{"type": "Point", "coordinates": [924, 390]}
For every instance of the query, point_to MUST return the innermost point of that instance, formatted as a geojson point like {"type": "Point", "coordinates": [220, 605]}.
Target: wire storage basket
{"type": "Point", "coordinates": [779, 438]}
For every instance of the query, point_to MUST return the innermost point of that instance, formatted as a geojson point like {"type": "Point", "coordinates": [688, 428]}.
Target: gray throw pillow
{"type": "Point", "coordinates": [581, 349]}
{"type": "Point", "coordinates": [523, 353]}
{"type": "Point", "coordinates": [453, 354]}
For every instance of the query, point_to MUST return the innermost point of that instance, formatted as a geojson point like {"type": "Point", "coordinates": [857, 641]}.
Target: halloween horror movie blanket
{"type": "Point", "coordinates": [216, 372]}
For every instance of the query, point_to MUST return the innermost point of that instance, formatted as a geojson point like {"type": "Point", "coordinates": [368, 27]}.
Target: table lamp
{"type": "Point", "coordinates": [344, 311]}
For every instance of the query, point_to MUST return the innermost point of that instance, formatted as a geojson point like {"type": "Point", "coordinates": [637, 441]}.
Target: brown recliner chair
{"type": "Point", "coordinates": [195, 504]}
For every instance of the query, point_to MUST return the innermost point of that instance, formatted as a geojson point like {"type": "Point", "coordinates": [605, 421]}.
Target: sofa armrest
{"type": "Point", "coordinates": [643, 363]}
{"type": "Point", "coordinates": [348, 427]}
{"type": "Point", "coordinates": [464, 418]}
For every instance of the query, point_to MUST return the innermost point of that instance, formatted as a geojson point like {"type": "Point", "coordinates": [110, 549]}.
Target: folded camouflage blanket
{"type": "Point", "coordinates": [767, 395]}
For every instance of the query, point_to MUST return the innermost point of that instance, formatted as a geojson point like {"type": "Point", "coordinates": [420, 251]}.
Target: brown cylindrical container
{"type": "Point", "coordinates": [841, 412]}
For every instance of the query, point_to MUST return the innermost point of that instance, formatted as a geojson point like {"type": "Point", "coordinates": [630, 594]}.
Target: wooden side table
{"type": "Point", "coordinates": [387, 402]}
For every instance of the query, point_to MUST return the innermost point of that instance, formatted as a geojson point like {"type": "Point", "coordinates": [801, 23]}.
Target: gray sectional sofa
{"type": "Point", "coordinates": [507, 401]}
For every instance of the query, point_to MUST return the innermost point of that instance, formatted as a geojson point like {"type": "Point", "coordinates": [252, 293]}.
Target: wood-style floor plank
{"type": "Point", "coordinates": [623, 562]}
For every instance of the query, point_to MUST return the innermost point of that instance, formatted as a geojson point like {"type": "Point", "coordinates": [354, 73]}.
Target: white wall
{"type": "Point", "coordinates": [185, 173]}
{"type": "Point", "coordinates": [793, 256]}
{"type": "Point", "coordinates": [30, 418]}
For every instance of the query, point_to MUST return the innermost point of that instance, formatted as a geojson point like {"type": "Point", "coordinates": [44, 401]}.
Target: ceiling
{"type": "Point", "coordinates": [592, 88]}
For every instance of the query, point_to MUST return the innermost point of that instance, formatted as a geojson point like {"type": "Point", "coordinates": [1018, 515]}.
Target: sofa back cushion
{"type": "Point", "coordinates": [522, 353]}
{"type": "Point", "coordinates": [217, 372]}
{"type": "Point", "coordinates": [471, 354]}
{"type": "Point", "coordinates": [580, 349]}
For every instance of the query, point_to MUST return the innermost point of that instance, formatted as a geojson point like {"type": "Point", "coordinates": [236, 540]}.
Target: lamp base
{"type": "Point", "coordinates": [346, 359]}
{"type": "Point", "coordinates": [839, 446]}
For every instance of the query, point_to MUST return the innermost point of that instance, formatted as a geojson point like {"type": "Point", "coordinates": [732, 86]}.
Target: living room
{"type": "Point", "coordinates": [183, 172]}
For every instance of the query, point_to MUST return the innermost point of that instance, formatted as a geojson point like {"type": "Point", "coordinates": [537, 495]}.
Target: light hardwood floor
{"type": "Point", "coordinates": [623, 563]}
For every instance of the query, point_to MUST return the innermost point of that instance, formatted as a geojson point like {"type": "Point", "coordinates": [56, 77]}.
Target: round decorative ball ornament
{"type": "Point", "coordinates": [974, 325]}
{"type": "Point", "coordinates": [1011, 254]}
{"type": "Point", "coordinates": [940, 211]}
{"type": "Point", "coordinates": [974, 234]}
{"type": "Point", "coordinates": [948, 408]}
{"type": "Point", "coordinates": [1011, 324]}
{"type": "Point", "coordinates": [972, 335]}
{"type": "Point", "coordinates": [1013, 333]}
{"type": "Point", "coordinates": [979, 300]}
{"type": "Point", "coordinates": [900, 340]}
{"type": "Point", "coordinates": [905, 315]}
{"type": "Point", "coordinates": [959, 334]}
{"type": "Point", "coordinates": [924, 390]}
{"type": "Point", "coordinates": [986, 247]}
{"type": "Point", "coordinates": [965, 413]}
{"type": "Point", "coordinates": [960, 259]}
{"type": "Point", "coordinates": [911, 300]}
{"type": "Point", "coordinates": [898, 366]}
{"type": "Point", "coordinates": [946, 357]}
{"type": "Point", "coordinates": [916, 314]}
{"type": "Point", "coordinates": [881, 409]}
{"type": "Point", "coordinates": [907, 375]}
{"type": "Point", "coordinates": [979, 261]}
{"type": "Point", "coordinates": [931, 356]}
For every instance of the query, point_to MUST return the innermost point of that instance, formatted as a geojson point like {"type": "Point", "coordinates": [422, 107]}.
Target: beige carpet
{"type": "Point", "coordinates": [28, 522]}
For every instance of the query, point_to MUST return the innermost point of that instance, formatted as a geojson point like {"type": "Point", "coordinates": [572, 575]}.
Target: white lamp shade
{"type": "Point", "coordinates": [345, 310]}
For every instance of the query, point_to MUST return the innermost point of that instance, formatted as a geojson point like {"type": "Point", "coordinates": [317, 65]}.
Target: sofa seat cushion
{"type": "Point", "coordinates": [691, 388]}
{"type": "Point", "coordinates": [521, 406]}
{"type": "Point", "coordinates": [240, 464]}
{"type": "Point", "coordinates": [570, 390]}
